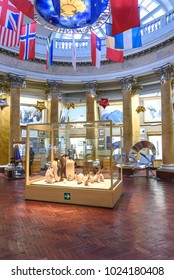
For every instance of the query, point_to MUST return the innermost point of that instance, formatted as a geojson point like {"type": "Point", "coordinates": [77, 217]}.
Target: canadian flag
{"type": "Point", "coordinates": [25, 6]}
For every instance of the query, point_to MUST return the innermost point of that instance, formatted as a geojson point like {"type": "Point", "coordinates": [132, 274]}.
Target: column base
{"type": "Point", "coordinates": [166, 172]}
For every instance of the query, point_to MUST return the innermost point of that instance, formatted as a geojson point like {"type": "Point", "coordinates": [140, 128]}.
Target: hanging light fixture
{"type": "Point", "coordinates": [3, 103]}
{"type": "Point", "coordinates": [40, 106]}
{"type": "Point", "coordinates": [140, 109]}
{"type": "Point", "coordinates": [104, 102]}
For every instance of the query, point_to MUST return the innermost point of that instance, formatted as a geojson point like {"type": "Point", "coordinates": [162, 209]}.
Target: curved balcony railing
{"type": "Point", "coordinates": [157, 28]}
{"type": "Point", "coordinates": [146, 29]}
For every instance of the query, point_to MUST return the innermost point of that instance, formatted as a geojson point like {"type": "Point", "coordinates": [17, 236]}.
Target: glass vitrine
{"type": "Point", "coordinates": [76, 163]}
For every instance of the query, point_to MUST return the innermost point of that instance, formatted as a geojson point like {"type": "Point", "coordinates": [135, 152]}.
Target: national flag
{"type": "Point", "coordinates": [49, 51]}
{"type": "Point", "coordinates": [27, 41]}
{"type": "Point", "coordinates": [25, 6]}
{"type": "Point", "coordinates": [125, 15]}
{"type": "Point", "coordinates": [126, 40]}
{"type": "Point", "coordinates": [10, 38]}
{"type": "Point", "coordinates": [112, 53]}
{"type": "Point", "coordinates": [9, 15]}
{"type": "Point", "coordinates": [74, 53]}
{"type": "Point", "coordinates": [95, 49]}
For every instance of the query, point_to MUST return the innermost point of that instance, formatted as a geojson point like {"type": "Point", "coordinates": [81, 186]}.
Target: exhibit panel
{"type": "Point", "coordinates": [80, 163]}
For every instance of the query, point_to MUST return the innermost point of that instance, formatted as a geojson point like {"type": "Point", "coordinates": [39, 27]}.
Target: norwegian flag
{"type": "Point", "coordinates": [9, 15]}
{"type": "Point", "coordinates": [10, 38]}
{"type": "Point", "coordinates": [27, 41]}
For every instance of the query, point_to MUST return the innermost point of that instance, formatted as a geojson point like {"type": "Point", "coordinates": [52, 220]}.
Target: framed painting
{"type": "Point", "coordinates": [41, 133]}
{"type": "Point", "coordinates": [101, 146]}
{"type": "Point", "coordinates": [41, 142]}
{"type": "Point", "coordinates": [153, 110]}
{"type": "Point", "coordinates": [101, 132]}
{"type": "Point", "coordinates": [64, 115]}
{"type": "Point", "coordinates": [78, 114]}
{"type": "Point", "coordinates": [156, 139]}
{"type": "Point", "coordinates": [113, 112]}
{"type": "Point", "coordinates": [116, 142]}
{"type": "Point", "coordinates": [30, 115]}
{"type": "Point", "coordinates": [101, 140]}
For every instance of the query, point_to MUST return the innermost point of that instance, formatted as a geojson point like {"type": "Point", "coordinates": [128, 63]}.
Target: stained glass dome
{"type": "Point", "coordinates": [71, 14]}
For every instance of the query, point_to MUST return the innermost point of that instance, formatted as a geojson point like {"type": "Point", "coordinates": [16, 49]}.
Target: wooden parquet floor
{"type": "Point", "coordinates": [140, 227]}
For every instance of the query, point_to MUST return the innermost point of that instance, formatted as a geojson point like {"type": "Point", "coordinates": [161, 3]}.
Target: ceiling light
{"type": "Point", "coordinates": [49, 97]}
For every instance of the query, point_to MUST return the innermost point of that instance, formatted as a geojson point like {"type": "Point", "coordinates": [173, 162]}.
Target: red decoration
{"type": "Point", "coordinates": [104, 102]}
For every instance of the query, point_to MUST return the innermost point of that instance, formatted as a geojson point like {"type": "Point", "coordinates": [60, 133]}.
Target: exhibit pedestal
{"type": "Point", "coordinates": [76, 195]}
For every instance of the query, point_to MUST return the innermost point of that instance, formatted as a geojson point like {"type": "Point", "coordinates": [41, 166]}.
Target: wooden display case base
{"type": "Point", "coordinates": [77, 195]}
{"type": "Point", "coordinates": [165, 174]}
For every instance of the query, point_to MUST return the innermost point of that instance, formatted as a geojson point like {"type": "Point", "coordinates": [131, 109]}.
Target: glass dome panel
{"type": "Point", "coordinates": [71, 14]}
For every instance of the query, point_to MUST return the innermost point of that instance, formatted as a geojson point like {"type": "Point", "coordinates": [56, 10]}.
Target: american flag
{"type": "Point", "coordinates": [27, 41]}
{"type": "Point", "coordinates": [9, 15]}
{"type": "Point", "coordinates": [10, 38]}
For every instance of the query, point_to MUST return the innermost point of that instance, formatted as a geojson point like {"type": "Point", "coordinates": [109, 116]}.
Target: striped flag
{"type": "Point", "coordinates": [10, 38]}
{"type": "Point", "coordinates": [27, 41]}
{"type": "Point", "coordinates": [49, 51]}
{"type": "Point", "coordinates": [126, 40]}
{"type": "Point", "coordinates": [112, 53]}
{"type": "Point", "coordinates": [9, 15]}
{"type": "Point", "coordinates": [73, 53]}
{"type": "Point", "coordinates": [95, 50]}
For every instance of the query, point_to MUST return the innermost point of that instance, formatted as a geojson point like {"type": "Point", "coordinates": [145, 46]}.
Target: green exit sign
{"type": "Point", "coordinates": [67, 196]}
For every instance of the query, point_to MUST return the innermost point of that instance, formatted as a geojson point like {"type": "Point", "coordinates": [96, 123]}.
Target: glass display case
{"type": "Point", "coordinates": [80, 166]}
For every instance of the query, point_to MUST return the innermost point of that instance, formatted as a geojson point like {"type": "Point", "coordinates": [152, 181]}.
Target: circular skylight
{"type": "Point", "coordinates": [70, 14]}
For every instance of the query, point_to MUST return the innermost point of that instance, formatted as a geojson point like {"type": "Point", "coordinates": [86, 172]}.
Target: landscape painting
{"type": "Point", "coordinates": [112, 112]}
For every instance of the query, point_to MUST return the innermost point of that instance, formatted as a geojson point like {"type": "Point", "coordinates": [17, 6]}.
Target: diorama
{"type": "Point", "coordinates": [77, 169]}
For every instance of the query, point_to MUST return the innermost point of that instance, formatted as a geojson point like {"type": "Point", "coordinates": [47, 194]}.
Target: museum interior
{"type": "Point", "coordinates": [113, 118]}
{"type": "Point", "coordinates": [74, 125]}
{"type": "Point", "coordinates": [135, 96]}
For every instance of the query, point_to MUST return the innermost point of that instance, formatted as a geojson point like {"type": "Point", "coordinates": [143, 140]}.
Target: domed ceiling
{"type": "Point", "coordinates": [66, 22]}
{"type": "Point", "coordinates": [76, 14]}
